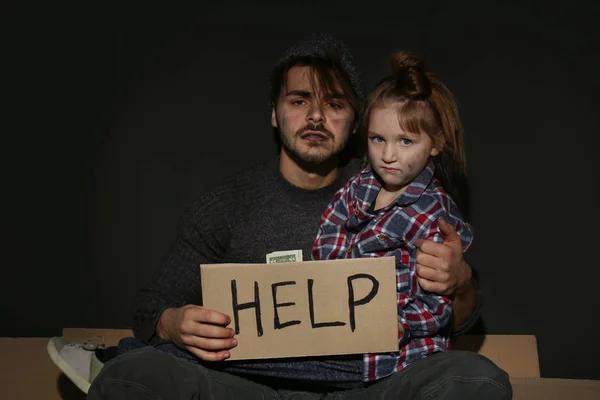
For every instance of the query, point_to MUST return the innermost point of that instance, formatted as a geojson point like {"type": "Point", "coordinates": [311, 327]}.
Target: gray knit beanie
{"type": "Point", "coordinates": [325, 46]}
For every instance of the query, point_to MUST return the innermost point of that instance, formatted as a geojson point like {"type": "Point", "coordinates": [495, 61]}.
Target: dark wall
{"type": "Point", "coordinates": [123, 116]}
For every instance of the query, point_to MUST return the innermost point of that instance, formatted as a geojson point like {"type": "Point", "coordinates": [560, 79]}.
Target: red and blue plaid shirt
{"type": "Point", "coordinates": [350, 228]}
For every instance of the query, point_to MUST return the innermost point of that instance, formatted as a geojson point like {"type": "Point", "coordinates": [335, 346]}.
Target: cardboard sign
{"type": "Point", "coordinates": [309, 308]}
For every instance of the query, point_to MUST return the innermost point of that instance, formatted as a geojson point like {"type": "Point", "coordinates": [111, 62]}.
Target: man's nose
{"type": "Point", "coordinates": [315, 113]}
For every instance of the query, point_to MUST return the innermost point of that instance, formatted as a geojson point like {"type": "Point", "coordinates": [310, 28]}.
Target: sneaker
{"type": "Point", "coordinates": [78, 361]}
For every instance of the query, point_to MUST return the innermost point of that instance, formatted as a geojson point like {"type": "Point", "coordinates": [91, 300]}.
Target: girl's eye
{"type": "Point", "coordinates": [406, 142]}
{"type": "Point", "coordinates": [377, 139]}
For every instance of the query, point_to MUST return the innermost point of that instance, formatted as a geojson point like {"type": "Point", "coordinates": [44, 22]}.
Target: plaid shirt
{"type": "Point", "coordinates": [351, 228]}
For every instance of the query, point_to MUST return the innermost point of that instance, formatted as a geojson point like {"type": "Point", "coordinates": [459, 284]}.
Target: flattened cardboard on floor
{"type": "Point", "coordinates": [308, 308]}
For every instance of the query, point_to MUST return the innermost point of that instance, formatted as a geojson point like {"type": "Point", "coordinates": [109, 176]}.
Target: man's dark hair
{"type": "Point", "coordinates": [333, 69]}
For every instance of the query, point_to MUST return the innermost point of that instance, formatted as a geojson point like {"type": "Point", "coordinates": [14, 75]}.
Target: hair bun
{"type": "Point", "coordinates": [409, 73]}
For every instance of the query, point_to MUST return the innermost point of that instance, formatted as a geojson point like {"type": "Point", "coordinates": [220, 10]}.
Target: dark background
{"type": "Point", "coordinates": [119, 117]}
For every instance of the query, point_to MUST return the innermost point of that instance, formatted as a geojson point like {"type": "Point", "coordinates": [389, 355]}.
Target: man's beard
{"type": "Point", "coordinates": [318, 152]}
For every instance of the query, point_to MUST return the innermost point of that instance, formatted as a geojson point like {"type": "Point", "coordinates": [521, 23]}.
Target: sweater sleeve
{"type": "Point", "coordinates": [469, 323]}
{"type": "Point", "coordinates": [202, 238]}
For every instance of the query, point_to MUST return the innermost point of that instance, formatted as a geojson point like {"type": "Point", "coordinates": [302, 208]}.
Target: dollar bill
{"type": "Point", "coordinates": [284, 256]}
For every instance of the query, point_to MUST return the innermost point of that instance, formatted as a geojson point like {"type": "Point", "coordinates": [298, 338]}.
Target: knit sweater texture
{"type": "Point", "coordinates": [246, 216]}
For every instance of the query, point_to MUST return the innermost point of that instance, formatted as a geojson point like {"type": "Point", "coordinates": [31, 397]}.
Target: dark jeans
{"type": "Point", "coordinates": [148, 373]}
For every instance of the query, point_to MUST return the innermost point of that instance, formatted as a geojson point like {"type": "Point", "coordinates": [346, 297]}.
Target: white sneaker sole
{"type": "Point", "coordinates": [80, 382]}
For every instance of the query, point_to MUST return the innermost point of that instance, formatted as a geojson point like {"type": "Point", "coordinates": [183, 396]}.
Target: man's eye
{"type": "Point", "coordinates": [336, 106]}
{"type": "Point", "coordinates": [406, 142]}
{"type": "Point", "coordinates": [298, 102]}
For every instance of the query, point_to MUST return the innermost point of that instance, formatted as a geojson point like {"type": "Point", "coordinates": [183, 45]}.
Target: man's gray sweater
{"type": "Point", "coordinates": [247, 216]}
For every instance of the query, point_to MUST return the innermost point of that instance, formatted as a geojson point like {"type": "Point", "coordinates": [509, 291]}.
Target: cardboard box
{"type": "Point", "coordinates": [26, 371]}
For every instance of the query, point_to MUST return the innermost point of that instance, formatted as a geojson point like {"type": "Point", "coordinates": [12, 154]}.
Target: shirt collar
{"type": "Point", "coordinates": [413, 192]}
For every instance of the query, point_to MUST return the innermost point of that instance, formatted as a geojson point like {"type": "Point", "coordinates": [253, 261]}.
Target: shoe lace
{"type": "Point", "coordinates": [92, 343]}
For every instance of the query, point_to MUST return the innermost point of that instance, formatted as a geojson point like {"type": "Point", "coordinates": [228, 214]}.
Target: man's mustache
{"type": "Point", "coordinates": [315, 128]}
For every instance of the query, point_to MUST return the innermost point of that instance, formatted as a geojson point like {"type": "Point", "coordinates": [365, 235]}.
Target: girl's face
{"type": "Point", "coordinates": [395, 155]}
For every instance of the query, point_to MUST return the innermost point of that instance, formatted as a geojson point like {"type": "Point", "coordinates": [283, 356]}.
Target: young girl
{"type": "Point", "coordinates": [414, 139]}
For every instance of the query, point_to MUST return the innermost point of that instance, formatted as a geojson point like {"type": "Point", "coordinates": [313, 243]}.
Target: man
{"type": "Point", "coordinates": [317, 99]}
